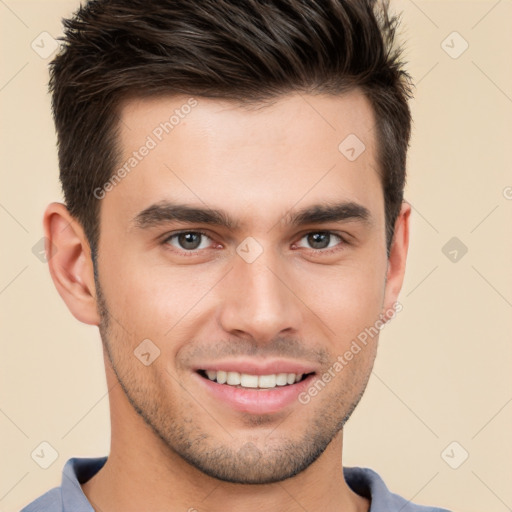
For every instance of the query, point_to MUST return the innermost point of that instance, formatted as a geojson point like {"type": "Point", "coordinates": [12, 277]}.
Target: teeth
{"type": "Point", "coordinates": [233, 379]}
{"type": "Point", "coordinates": [222, 377]}
{"type": "Point", "coordinates": [281, 379]}
{"type": "Point", "coordinates": [267, 381]}
{"type": "Point", "coordinates": [247, 380]}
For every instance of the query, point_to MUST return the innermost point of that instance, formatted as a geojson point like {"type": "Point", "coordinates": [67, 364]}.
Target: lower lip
{"type": "Point", "coordinates": [256, 401]}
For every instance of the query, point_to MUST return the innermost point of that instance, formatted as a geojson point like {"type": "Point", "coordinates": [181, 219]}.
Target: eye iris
{"type": "Point", "coordinates": [189, 240]}
{"type": "Point", "coordinates": [321, 239]}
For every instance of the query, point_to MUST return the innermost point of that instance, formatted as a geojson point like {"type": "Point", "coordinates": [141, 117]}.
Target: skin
{"type": "Point", "coordinates": [173, 445]}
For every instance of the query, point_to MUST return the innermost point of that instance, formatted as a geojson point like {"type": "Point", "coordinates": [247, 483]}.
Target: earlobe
{"type": "Point", "coordinates": [397, 258]}
{"type": "Point", "coordinates": [69, 260]}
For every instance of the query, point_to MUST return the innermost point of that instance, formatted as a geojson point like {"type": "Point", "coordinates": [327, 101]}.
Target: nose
{"type": "Point", "coordinates": [259, 300]}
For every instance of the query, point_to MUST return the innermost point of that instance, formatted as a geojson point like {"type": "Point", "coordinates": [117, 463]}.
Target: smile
{"type": "Point", "coordinates": [251, 381]}
{"type": "Point", "coordinates": [254, 389]}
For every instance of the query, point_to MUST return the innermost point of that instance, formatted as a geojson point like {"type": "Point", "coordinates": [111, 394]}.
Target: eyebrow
{"type": "Point", "coordinates": [166, 211]}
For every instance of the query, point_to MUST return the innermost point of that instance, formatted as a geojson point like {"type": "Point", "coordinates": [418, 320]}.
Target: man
{"type": "Point", "coordinates": [235, 226]}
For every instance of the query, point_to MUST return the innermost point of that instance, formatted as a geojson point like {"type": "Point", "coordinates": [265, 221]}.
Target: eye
{"type": "Point", "coordinates": [321, 240]}
{"type": "Point", "coordinates": [188, 240]}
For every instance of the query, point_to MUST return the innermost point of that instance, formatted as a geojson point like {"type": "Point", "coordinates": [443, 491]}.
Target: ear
{"type": "Point", "coordinates": [397, 259]}
{"type": "Point", "coordinates": [69, 259]}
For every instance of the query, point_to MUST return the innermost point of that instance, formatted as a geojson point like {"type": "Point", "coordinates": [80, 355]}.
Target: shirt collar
{"type": "Point", "coordinates": [75, 472]}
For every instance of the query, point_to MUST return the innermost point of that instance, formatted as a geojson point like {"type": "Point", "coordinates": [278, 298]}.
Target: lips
{"type": "Point", "coordinates": [255, 386]}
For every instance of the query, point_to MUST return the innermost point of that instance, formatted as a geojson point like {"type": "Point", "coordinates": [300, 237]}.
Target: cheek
{"type": "Point", "coordinates": [157, 301]}
{"type": "Point", "coordinates": [347, 298]}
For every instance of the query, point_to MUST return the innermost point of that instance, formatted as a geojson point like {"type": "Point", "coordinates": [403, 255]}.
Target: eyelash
{"type": "Point", "coordinates": [194, 252]}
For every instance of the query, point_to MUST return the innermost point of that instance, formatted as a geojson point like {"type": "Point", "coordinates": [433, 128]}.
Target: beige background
{"type": "Point", "coordinates": [443, 370]}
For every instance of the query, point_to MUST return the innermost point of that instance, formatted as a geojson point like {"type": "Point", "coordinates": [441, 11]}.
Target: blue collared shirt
{"type": "Point", "coordinates": [69, 497]}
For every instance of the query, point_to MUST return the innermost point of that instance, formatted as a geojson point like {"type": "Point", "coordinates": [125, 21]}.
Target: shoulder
{"type": "Point", "coordinates": [51, 501]}
{"type": "Point", "coordinates": [368, 483]}
{"type": "Point", "coordinates": [69, 497]}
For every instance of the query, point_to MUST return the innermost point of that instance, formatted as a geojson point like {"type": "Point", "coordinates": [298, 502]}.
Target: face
{"type": "Point", "coordinates": [242, 244]}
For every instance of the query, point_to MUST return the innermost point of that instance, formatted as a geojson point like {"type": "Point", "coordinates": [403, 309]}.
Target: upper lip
{"type": "Point", "coordinates": [259, 367]}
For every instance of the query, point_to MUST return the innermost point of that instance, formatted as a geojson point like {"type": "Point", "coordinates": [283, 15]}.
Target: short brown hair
{"type": "Point", "coordinates": [248, 51]}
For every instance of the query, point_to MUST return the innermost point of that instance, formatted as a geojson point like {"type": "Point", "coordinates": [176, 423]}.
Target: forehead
{"type": "Point", "coordinates": [258, 160]}
{"type": "Point", "coordinates": [292, 118]}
